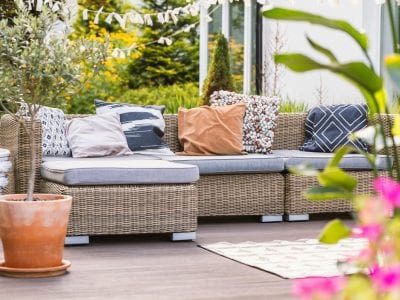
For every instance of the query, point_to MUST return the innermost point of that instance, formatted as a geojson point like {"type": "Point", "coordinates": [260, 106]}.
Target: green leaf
{"type": "Point", "coordinates": [334, 231]}
{"type": "Point", "coordinates": [359, 287]}
{"type": "Point", "coordinates": [358, 73]}
{"type": "Point", "coordinates": [323, 193]}
{"type": "Point", "coordinates": [328, 53]}
{"type": "Point", "coordinates": [336, 177]}
{"type": "Point", "coordinates": [339, 154]}
{"type": "Point", "coordinates": [301, 16]}
{"type": "Point", "coordinates": [374, 105]}
{"type": "Point", "coordinates": [304, 170]}
{"type": "Point", "coordinates": [392, 62]}
{"type": "Point", "coordinates": [298, 62]}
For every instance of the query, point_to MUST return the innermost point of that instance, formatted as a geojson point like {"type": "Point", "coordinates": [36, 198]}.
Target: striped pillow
{"type": "Point", "coordinates": [143, 125]}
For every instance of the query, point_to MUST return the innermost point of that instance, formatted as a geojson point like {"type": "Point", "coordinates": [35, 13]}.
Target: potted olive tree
{"type": "Point", "coordinates": [39, 66]}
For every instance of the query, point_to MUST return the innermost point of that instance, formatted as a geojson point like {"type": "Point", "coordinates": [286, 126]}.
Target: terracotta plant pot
{"type": "Point", "coordinates": [33, 233]}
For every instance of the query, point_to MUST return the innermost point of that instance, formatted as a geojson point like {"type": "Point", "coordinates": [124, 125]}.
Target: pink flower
{"type": "Point", "coordinates": [318, 288]}
{"type": "Point", "coordinates": [386, 279]}
{"type": "Point", "coordinates": [371, 232]}
{"type": "Point", "coordinates": [389, 190]}
{"type": "Point", "coordinates": [374, 211]}
{"type": "Point", "coordinates": [365, 256]}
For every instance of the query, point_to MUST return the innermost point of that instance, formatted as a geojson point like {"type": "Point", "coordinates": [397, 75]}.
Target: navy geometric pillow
{"type": "Point", "coordinates": [328, 127]}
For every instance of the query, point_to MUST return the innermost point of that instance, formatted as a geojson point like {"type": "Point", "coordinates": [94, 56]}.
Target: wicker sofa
{"type": "Point", "coordinates": [174, 208]}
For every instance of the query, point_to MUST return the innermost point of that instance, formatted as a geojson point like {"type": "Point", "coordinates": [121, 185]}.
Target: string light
{"type": "Point", "coordinates": [164, 40]}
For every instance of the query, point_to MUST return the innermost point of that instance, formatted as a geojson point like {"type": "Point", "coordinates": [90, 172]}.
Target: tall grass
{"type": "Point", "coordinates": [291, 106]}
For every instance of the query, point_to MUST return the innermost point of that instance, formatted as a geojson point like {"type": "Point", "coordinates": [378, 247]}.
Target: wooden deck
{"type": "Point", "coordinates": [151, 267]}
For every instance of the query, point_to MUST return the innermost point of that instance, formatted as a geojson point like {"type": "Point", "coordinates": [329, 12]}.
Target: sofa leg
{"type": "Point", "coordinates": [271, 219]}
{"type": "Point", "coordinates": [77, 240]}
{"type": "Point", "coordinates": [183, 236]}
{"type": "Point", "coordinates": [297, 218]}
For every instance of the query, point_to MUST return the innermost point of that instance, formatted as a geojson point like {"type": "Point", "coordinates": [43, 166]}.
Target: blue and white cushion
{"type": "Point", "coordinates": [328, 127]}
{"type": "Point", "coordinates": [54, 138]}
{"type": "Point", "coordinates": [143, 125]}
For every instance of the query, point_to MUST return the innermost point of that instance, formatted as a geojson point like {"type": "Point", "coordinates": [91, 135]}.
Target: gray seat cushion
{"type": "Point", "coordinates": [319, 160]}
{"type": "Point", "coordinates": [231, 164]}
{"type": "Point", "coordinates": [117, 170]}
{"type": "Point", "coordinates": [135, 156]}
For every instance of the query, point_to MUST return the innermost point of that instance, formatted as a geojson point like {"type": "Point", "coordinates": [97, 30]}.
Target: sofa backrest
{"type": "Point", "coordinates": [171, 133]}
{"type": "Point", "coordinates": [289, 132]}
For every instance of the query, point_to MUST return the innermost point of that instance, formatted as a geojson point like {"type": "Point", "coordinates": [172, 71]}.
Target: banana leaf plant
{"type": "Point", "coordinates": [335, 183]}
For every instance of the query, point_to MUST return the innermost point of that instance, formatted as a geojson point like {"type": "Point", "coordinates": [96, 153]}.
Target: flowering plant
{"type": "Point", "coordinates": [378, 263]}
{"type": "Point", "coordinates": [378, 216]}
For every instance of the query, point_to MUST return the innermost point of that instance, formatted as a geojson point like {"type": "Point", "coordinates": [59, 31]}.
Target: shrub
{"type": "Point", "coordinates": [173, 96]}
{"type": "Point", "coordinates": [7, 9]}
{"type": "Point", "coordinates": [112, 82]}
{"type": "Point", "coordinates": [162, 64]}
{"type": "Point", "coordinates": [219, 75]}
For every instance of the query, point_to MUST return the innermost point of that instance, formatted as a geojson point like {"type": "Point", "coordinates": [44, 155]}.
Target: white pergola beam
{"type": "Point", "coordinates": [203, 63]}
{"type": "Point", "coordinates": [225, 19]}
{"type": "Point", "coordinates": [247, 47]}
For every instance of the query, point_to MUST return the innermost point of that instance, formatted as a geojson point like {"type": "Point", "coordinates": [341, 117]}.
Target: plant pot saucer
{"type": "Point", "coordinates": [34, 272]}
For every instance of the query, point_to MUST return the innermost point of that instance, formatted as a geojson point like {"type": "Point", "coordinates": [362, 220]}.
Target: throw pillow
{"type": "Point", "coordinates": [259, 120]}
{"type": "Point", "coordinates": [328, 127]}
{"type": "Point", "coordinates": [211, 130]}
{"type": "Point", "coordinates": [143, 125]}
{"type": "Point", "coordinates": [54, 139]}
{"type": "Point", "coordinates": [97, 136]}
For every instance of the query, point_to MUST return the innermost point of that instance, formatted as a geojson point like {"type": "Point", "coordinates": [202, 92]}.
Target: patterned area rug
{"type": "Point", "coordinates": [299, 259]}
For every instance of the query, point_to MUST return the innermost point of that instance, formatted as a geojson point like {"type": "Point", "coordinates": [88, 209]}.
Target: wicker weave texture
{"type": "Point", "coordinates": [171, 133]}
{"type": "Point", "coordinates": [9, 140]}
{"type": "Point", "coordinates": [289, 132]}
{"type": "Point", "coordinates": [296, 186]}
{"type": "Point", "coordinates": [15, 139]}
{"type": "Point", "coordinates": [240, 195]}
{"type": "Point", "coordinates": [129, 209]}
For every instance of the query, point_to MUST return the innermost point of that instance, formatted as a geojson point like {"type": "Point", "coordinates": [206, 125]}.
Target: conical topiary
{"type": "Point", "coordinates": [219, 74]}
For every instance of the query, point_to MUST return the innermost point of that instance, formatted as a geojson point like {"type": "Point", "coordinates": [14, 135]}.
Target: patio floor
{"type": "Point", "coordinates": [151, 267]}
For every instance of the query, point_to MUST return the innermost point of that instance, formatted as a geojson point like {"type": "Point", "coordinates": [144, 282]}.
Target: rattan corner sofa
{"type": "Point", "coordinates": [257, 185]}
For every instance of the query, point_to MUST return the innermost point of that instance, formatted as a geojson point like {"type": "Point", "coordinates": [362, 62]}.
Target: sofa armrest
{"type": "Point", "coordinates": [14, 138]}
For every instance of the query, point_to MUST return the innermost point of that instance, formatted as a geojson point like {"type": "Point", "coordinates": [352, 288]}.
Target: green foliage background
{"type": "Point", "coordinates": [153, 73]}
{"type": "Point", "coordinates": [161, 65]}
{"type": "Point", "coordinates": [6, 8]}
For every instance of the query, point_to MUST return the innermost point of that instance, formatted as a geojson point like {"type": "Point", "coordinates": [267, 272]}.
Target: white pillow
{"type": "Point", "coordinates": [97, 136]}
{"type": "Point", "coordinates": [143, 126]}
{"type": "Point", "coordinates": [54, 140]}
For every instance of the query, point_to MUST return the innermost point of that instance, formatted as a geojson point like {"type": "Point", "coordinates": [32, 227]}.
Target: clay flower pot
{"type": "Point", "coordinates": [33, 233]}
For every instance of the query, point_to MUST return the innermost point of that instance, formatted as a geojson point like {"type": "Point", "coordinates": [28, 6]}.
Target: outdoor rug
{"type": "Point", "coordinates": [299, 259]}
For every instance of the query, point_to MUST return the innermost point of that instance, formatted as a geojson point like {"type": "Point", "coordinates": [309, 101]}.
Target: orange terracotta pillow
{"type": "Point", "coordinates": [211, 130]}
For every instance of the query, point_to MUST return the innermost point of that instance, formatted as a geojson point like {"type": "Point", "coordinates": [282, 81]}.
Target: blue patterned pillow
{"type": "Point", "coordinates": [328, 127]}
{"type": "Point", "coordinates": [143, 125]}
